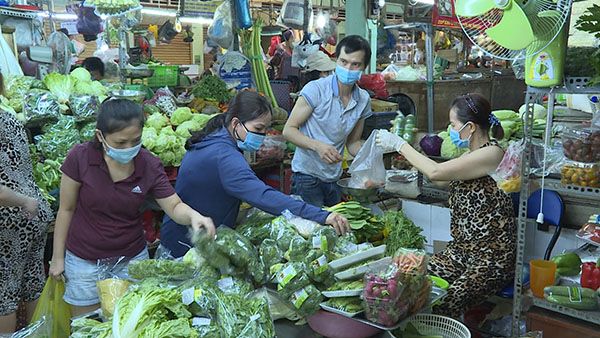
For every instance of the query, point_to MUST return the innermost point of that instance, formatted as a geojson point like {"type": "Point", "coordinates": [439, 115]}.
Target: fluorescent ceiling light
{"type": "Point", "coordinates": [159, 12]}
{"type": "Point", "coordinates": [197, 20]}
{"type": "Point", "coordinates": [59, 16]}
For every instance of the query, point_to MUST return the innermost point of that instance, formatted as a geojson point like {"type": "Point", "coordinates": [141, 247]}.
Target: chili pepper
{"type": "Point", "coordinates": [590, 275]}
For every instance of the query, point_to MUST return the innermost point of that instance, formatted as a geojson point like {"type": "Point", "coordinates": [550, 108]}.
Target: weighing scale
{"type": "Point", "coordinates": [366, 197]}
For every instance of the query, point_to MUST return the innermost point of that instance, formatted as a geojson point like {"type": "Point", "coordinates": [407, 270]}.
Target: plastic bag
{"type": "Point", "coordinates": [304, 227]}
{"type": "Point", "coordinates": [111, 285]}
{"type": "Point", "coordinates": [54, 309]}
{"type": "Point", "coordinates": [554, 158]}
{"type": "Point", "coordinates": [290, 278]}
{"type": "Point", "coordinates": [232, 285]}
{"type": "Point", "coordinates": [382, 293]}
{"type": "Point", "coordinates": [582, 144]}
{"type": "Point", "coordinates": [240, 251]}
{"type": "Point", "coordinates": [270, 253]}
{"type": "Point", "coordinates": [273, 148]}
{"type": "Point", "coordinates": [282, 231]}
{"type": "Point", "coordinates": [306, 300]}
{"type": "Point", "coordinates": [375, 83]}
{"type": "Point", "coordinates": [84, 108]}
{"type": "Point", "coordinates": [318, 268]}
{"type": "Point", "coordinates": [256, 226]}
{"type": "Point", "coordinates": [88, 23]}
{"type": "Point", "coordinates": [38, 329]}
{"type": "Point", "coordinates": [367, 168]}
{"type": "Point", "coordinates": [245, 317]}
{"type": "Point", "coordinates": [508, 172]}
{"type": "Point", "coordinates": [58, 138]}
{"type": "Point", "coordinates": [41, 107]}
{"type": "Point", "coordinates": [297, 249]}
{"type": "Point", "coordinates": [162, 268]}
{"type": "Point", "coordinates": [220, 31]}
{"type": "Point", "coordinates": [292, 13]}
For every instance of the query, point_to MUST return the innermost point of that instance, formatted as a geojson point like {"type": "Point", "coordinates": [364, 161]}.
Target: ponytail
{"type": "Point", "coordinates": [213, 124]}
{"type": "Point", "coordinates": [497, 132]}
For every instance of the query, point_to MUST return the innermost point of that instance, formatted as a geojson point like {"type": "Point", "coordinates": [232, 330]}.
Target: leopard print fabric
{"type": "Point", "coordinates": [479, 261]}
{"type": "Point", "coordinates": [22, 241]}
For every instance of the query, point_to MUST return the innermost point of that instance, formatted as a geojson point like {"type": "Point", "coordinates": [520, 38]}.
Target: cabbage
{"type": "Point", "coordinates": [202, 119]}
{"type": "Point", "coordinates": [431, 145]}
{"type": "Point", "coordinates": [157, 121]}
{"type": "Point", "coordinates": [60, 85]}
{"type": "Point", "coordinates": [81, 74]}
{"type": "Point", "coordinates": [181, 115]}
{"type": "Point", "coordinates": [186, 128]}
{"type": "Point", "coordinates": [539, 111]}
{"type": "Point", "coordinates": [448, 149]}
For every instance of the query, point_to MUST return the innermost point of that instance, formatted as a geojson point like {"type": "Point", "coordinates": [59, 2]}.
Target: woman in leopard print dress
{"type": "Point", "coordinates": [479, 261]}
{"type": "Point", "coordinates": [24, 218]}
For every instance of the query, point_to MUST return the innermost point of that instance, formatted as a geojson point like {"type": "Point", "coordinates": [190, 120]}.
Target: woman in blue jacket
{"type": "Point", "coordinates": [214, 177]}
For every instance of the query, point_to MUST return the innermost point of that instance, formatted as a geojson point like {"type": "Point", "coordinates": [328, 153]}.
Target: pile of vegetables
{"type": "Point", "coordinates": [166, 137]}
{"type": "Point", "coordinates": [111, 7]}
{"type": "Point", "coordinates": [366, 226]}
{"type": "Point", "coordinates": [539, 122]}
{"type": "Point", "coordinates": [404, 126]}
{"type": "Point", "coordinates": [448, 149]}
{"type": "Point", "coordinates": [401, 232]}
{"type": "Point", "coordinates": [510, 121]}
{"type": "Point", "coordinates": [161, 268]}
{"type": "Point", "coordinates": [212, 88]}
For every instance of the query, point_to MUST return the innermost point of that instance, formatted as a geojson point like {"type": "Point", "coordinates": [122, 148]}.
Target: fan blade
{"type": "Point", "coordinates": [514, 30]}
{"type": "Point", "coordinates": [470, 8]}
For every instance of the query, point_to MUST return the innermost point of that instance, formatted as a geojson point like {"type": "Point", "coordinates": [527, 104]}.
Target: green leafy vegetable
{"type": "Point", "coordinates": [270, 253]}
{"type": "Point", "coordinates": [180, 115]}
{"type": "Point", "coordinates": [60, 85]}
{"type": "Point", "coordinates": [161, 268]}
{"type": "Point", "coordinates": [402, 233]}
{"type": "Point", "coordinates": [244, 318]}
{"type": "Point", "coordinates": [211, 87]}
{"type": "Point", "coordinates": [306, 300]}
{"type": "Point", "coordinates": [346, 304]}
{"type": "Point", "coordinates": [344, 286]}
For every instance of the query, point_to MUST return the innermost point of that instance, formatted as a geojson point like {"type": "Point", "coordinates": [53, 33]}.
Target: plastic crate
{"type": "Point", "coordinates": [164, 76]}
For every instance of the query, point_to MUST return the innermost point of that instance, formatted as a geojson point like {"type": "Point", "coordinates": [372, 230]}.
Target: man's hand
{"type": "Point", "coordinates": [30, 208]}
{"type": "Point", "coordinates": [389, 142]}
{"type": "Point", "coordinates": [328, 153]}
{"type": "Point", "coordinates": [338, 222]}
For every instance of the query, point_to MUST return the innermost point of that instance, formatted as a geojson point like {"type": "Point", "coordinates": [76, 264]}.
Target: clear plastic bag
{"type": "Point", "coordinates": [244, 317]}
{"type": "Point", "coordinates": [38, 329]}
{"type": "Point", "coordinates": [306, 300]}
{"type": "Point", "coordinates": [304, 227]}
{"type": "Point", "coordinates": [367, 168]}
{"type": "Point", "coordinates": [233, 285]}
{"type": "Point", "coordinates": [41, 107]}
{"type": "Point", "coordinates": [554, 158]}
{"type": "Point", "coordinates": [84, 108]}
{"type": "Point", "coordinates": [270, 253]}
{"type": "Point", "coordinates": [273, 148]}
{"type": "Point", "coordinates": [111, 286]}
{"type": "Point", "coordinates": [58, 138]}
{"type": "Point", "coordinates": [292, 13]}
{"type": "Point", "coordinates": [220, 31]}
{"type": "Point", "coordinates": [581, 144]}
{"type": "Point", "coordinates": [290, 278]}
{"type": "Point", "coordinates": [167, 269]}
{"type": "Point", "coordinates": [508, 172]}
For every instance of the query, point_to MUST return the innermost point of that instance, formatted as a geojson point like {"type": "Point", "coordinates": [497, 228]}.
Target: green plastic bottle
{"type": "Point", "coordinates": [546, 68]}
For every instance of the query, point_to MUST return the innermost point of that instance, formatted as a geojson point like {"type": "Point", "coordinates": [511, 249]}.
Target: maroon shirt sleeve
{"type": "Point", "coordinates": [70, 166]}
{"type": "Point", "coordinates": [161, 188]}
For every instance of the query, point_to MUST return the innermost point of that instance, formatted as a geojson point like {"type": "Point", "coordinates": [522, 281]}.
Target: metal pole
{"type": "Point", "coordinates": [429, 59]}
{"type": "Point", "coordinates": [123, 57]}
{"type": "Point", "coordinates": [234, 27]}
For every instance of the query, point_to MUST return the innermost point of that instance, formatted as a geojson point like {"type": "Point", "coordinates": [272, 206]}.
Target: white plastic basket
{"type": "Point", "coordinates": [430, 324]}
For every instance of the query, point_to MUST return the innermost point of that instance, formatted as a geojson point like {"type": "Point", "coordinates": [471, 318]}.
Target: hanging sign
{"type": "Point", "coordinates": [200, 8]}
{"type": "Point", "coordinates": [443, 14]}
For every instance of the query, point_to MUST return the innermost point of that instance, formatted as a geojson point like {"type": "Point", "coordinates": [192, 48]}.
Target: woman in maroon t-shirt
{"type": "Point", "coordinates": [103, 186]}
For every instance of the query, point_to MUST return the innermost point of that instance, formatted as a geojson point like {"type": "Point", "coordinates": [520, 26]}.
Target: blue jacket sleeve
{"type": "Point", "coordinates": [240, 181]}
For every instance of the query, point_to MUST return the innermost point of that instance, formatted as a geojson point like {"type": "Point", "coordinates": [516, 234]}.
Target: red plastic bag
{"type": "Point", "coordinates": [375, 83]}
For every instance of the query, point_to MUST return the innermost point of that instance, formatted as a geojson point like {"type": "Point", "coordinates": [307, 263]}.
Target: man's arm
{"type": "Point", "coordinates": [291, 131]}
{"type": "Point", "coordinates": [354, 143]}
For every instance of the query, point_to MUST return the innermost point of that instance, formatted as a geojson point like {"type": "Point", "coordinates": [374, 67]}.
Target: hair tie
{"type": "Point", "coordinates": [493, 120]}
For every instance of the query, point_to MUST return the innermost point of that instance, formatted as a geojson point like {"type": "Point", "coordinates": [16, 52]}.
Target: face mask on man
{"type": "Point", "coordinates": [347, 76]}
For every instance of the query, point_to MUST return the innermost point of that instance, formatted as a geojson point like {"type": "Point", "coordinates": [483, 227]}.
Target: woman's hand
{"type": "Point", "coordinates": [30, 207]}
{"type": "Point", "coordinates": [338, 222]}
{"type": "Point", "coordinates": [57, 268]}
{"type": "Point", "coordinates": [389, 142]}
{"type": "Point", "coordinates": [198, 222]}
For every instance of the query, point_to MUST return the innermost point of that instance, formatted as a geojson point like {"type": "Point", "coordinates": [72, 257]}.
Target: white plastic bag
{"type": "Point", "coordinates": [367, 168]}
{"type": "Point", "coordinates": [220, 31]}
{"type": "Point", "coordinates": [292, 13]}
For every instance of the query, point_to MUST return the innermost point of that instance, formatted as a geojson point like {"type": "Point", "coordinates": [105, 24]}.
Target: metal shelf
{"type": "Point", "coordinates": [17, 13]}
{"type": "Point", "coordinates": [588, 316]}
{"type": "Point", "coordinates": [573, 85]}
{"type": "Point", "coordinates": [572, 190]}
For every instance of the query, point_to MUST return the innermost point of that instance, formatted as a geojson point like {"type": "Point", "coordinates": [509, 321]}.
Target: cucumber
{"type": "Point", "coordinates": [574, 292]}
{"type": "Point", "coordinates": [585, 304]}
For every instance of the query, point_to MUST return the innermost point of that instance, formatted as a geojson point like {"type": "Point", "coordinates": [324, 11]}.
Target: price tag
{"type": "Point", "coordinates": [198, 321]}
{"type": "Point", "coordinates": [225, 283]}
{"type": "Point", "coordinates": [187, 296]}
{"type": "Point", "coordinates": [254, 317]}
{"type": "Point", "coordinates": [286, 275]}
{"type": "Point", "coordinates": [299, 297]}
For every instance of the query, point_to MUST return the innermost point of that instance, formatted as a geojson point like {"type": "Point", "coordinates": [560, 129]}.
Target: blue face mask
{"type": "Point", "coordinates": [346, 76]}
{"type": "Point", "coordinates": [252, 142]}
{"type": "Point", "coordinates": [455, 138]}
{"type": "Point", "coordinates": [122, 156]}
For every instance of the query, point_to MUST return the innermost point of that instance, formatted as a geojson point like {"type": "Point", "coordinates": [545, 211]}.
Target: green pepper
{"type": "Point", "coordinates": [567, 264]}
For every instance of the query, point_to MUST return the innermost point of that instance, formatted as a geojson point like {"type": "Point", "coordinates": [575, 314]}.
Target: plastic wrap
{"type": "Point", "coordinates": [240, 251]}
{"type": "Point", "coordinates": [220, 31]}
{"type": "Point", "coordinates": [162, 268]}
{"type": "Point", "coordinates": [84, 108]}
{"type": "Point", "coordinates": [381, 295]}
{"type": "Point", "coordinates": [304, 227]}
{"type": "Point", "coordinates": [58, 138]}
{"type": "Point", "coordinates": [273, 148]}
{"type": "Point", "coordinates": [580, 174]}
{"type": "Point", "coordinates": [508, 172]}
{"type": "Point", "coordinates": [282, 232]}
{"type": "Point", "coordinates": [52, 310]}
{"type": "Point", "coordinates": [244, 318]}
{"type": "Point", "coordinates": [582, 144]}
{"type": "Point", "coordinates": [290, 278]}
{"type": "Point", "coordinates": [306, 300]}
{"type": "Point", "coordinates": [256, 226]}
{"type": "Point", "coordinates": [297, 249]}
{"type": "Point", "coordinates": [318, 268]}
{"type": "Point", "coordinates": [111, 287]}
{"type": "Point", "coordinates": [41, 107]}
{"type": "Point", "coordinates": [270, 253]}
{"type": "Point", "coordinates": [38, 329]}
{"type": "Point", "coordinates": [367, 168]}
{"type": "Point", "coordinates": [200, 296]}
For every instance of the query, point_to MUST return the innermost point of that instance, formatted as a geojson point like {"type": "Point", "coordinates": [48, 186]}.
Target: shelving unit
{"type": "Point", "coordinates": [571, 86]}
